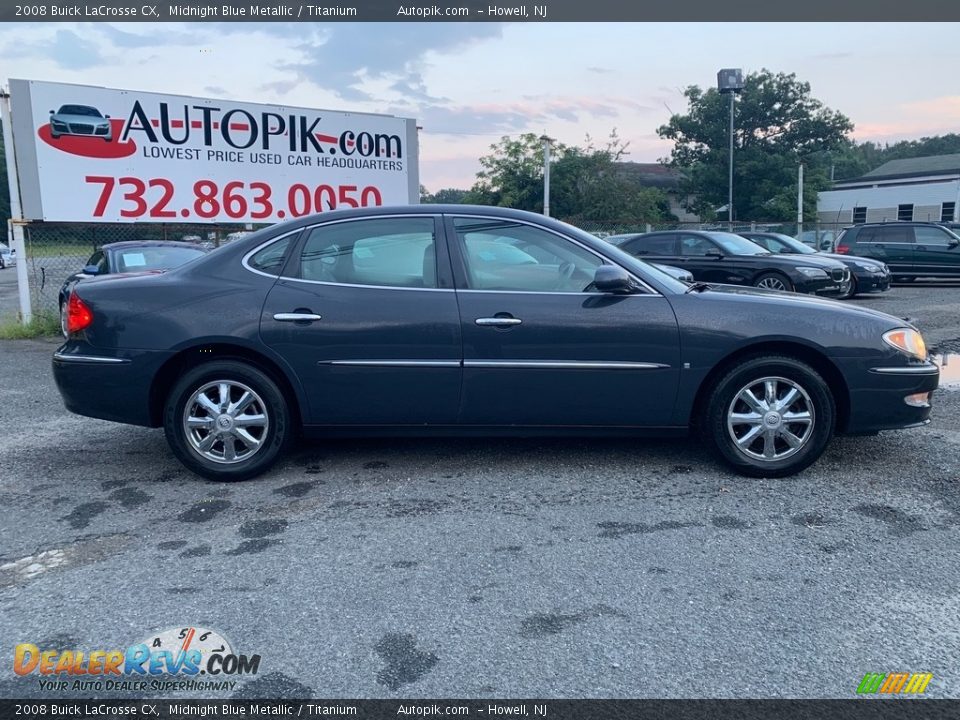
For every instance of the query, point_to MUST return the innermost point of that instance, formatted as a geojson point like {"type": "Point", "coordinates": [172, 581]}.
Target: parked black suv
{"type": "Point", "coordinates": [910, 249]}
{"type": "Point", "coordinates": [722, 257]}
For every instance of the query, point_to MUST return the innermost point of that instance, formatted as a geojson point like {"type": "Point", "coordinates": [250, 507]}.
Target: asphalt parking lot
{"type": "Point", "coordinates": [492, 568]}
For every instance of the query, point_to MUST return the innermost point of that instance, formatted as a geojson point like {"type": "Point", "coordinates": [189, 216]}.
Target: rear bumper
{"type": "Point", "coordinates": [878, 401]}
{"type": "Point", "coordinates": [107, 387]}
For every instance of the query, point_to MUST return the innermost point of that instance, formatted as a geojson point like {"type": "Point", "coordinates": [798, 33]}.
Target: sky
{"type": "Point", "coordinates": [468, 84]}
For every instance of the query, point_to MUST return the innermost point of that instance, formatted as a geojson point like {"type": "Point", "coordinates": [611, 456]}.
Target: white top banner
{"type": "Point", "coordinates": [91, 154]}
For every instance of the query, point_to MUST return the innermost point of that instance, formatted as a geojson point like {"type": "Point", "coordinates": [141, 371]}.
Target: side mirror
{"type": "Point", "coordinates": [106, 117]}
{"type": "Point", "coordinates": [612, 279]}
{"type": "Point", "coordinates": [51, 112]}
{"type": "Point", "coordinates": [91, 270]}
{"type": "Point", "coordinates": [952, 244]}
{"type": "Point", "coordinates": [715, 254]}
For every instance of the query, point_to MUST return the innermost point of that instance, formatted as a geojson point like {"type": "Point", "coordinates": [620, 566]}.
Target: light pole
{"type": "Point", "coordinates": [730, 82]}
{"type": "Point", "coordinates": [547, 141]}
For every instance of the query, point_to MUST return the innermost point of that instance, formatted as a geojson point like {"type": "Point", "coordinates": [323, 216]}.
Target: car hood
{"type": "Point", "coordinates": [798, 302]}
{"type": "Point", "coordinates": [854, 258]}
{"type": "Point", "coordinates": [794, 261]}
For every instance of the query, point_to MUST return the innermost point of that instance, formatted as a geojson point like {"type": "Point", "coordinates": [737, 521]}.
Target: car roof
{"type": "Point", "coordinates": [127, 244]}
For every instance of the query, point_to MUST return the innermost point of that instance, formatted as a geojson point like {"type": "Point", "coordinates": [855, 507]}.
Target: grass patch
{"type": "Point", "coordinates": [44, 323]}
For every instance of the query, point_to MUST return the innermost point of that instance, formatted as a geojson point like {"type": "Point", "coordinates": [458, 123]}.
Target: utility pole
{"type": "Point", "coordinates": [547, 141]}
{"type": "Point", "coordinates": [800, 200]}
{"type": "Point", "coordinates": [730, 82]}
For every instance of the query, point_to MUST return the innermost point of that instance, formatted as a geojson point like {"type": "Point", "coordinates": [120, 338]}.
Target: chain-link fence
{"type": "Point", "coordinates": [55, 251]}
{"type": "Point", "coordinates": [822, 236]}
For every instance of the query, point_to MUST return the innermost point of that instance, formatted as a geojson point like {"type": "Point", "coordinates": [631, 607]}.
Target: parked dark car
{"type": "Point", "coordinates": [452, 319]}
{"type": "Point", "coordinates": [910, 249]}
{"type": "Point", "coordinates": [722, 257]}
{"type": "Point", "coordinates": [866, 275]}
{"type": "Point", "coordinates": [131, 256]}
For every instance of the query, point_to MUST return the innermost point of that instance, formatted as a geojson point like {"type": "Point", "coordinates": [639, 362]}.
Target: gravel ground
{"type": "Point", "coordinates": [507, 568]}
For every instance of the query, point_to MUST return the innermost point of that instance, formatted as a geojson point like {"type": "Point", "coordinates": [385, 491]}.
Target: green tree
{"type": "Point", "coordinates": [585, 183]}
{"type": "Point", "coordinates": [777, 126]}
{"type": "Point", "coordinates": [512, 174]}
{"type": "Point", "coordinates": [450, 196]}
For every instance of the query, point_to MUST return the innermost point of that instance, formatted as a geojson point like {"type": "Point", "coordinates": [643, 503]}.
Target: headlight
{"type": "Point", "coordinates": [813, 272]}
{"type": "Point", "coordinates": [869, 267]}
{"type": "Point", "coordinates": [907, 340]}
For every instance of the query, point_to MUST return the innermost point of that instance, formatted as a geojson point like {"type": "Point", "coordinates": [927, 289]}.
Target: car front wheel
{"type": "Point", "coordinates": [774, 281]}
{"type": "Point", "coordinates": [770, 416]}
{"type": "Point", "coordinates": [227, 420]}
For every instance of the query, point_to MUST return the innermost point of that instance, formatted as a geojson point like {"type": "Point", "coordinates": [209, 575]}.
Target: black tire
{"type": "Point", "coordinates": [269, 402]}
{"type": "Point", "coordinates": [768, 279]}
{"type": "Point", "coordinates": [817, 401]}
{"type": "Point", "coordinates": [852, 291]}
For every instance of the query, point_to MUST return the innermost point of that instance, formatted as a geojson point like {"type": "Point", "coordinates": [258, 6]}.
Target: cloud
{"type": "Point", "coordinates": [65, 48]}
{"type": "Point", "coordinates": [347, 56]}
{"type": "Point", "coordinates": [600, 70]}
{"type": "Point", "coordinates": [508, 117]}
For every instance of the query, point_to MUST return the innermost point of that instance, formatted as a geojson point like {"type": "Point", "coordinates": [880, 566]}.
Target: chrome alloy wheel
{"type": "Point", "coordinates": [772, 283]}
{"type": "Point", "coordinates": [225, 422]}
{"type": "Point", "coordinates": [770, 419]}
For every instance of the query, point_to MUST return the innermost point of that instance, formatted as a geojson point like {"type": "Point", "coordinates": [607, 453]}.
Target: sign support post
{"type": "Point", "coordinates": [15, 224]}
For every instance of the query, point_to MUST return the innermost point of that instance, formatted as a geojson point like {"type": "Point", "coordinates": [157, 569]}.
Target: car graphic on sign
{"type": "Point", "coordinates": [82, 120]}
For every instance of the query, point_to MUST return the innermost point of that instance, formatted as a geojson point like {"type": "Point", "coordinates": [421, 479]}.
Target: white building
{"type": "Point", "coordinates": [924, 188]}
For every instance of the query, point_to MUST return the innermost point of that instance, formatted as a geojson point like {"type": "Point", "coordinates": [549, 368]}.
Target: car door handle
{"type": "Point", "coordinates": [498, 321]}
{"type": "Point", "coordinates": [296, 317]}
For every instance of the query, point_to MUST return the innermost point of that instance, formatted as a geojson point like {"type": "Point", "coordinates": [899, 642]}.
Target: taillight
{"type": "Point", "coordinates": [842, 249]}
{"type": "Point", "coordinates": [79, 316]}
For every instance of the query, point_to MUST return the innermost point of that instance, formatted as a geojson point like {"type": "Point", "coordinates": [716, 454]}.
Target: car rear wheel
{"type": "Point", "coordinates": [770, 416]}
{"type": "Point", "coordinates": [227, 420]}
{"type": "Point", "coordinates": [774, 281]}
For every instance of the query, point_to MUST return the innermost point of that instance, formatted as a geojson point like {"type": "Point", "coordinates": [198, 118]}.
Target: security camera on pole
{"type": "Point", "coordinates": [730, 82]}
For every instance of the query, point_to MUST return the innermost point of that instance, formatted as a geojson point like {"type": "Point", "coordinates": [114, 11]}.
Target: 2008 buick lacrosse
{"type": "Point", "coordinates": [465, 320]}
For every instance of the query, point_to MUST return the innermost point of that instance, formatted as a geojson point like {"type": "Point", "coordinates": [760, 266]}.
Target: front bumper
{"type": "Point", "coordinates": [825, 287]}
{"type": "Point", "coordinates": [878, 397]}
{"type": "Point", "coordinates": [107, 387]}
{"type": "Point", "coordinates": [872, 282]}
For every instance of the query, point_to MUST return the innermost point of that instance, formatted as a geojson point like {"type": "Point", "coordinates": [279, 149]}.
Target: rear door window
{"type": "Point", "coordinates": [653, 245]}
{"type": "Point", "coordinates": [893, 234]}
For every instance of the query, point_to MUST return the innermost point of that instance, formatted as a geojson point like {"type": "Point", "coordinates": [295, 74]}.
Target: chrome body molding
{"type": "Point", "coordinates": [89, 359]}
{"type": "Point", "coordinates": [514, 364]}
{"type": "Point", "coordinates": [564, 364]}
{"type": "Point", "coordinates": [929, 369]}
{"type": "Point", "coordinates": [394, 363]}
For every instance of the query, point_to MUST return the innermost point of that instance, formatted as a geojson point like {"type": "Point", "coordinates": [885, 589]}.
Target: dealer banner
{"type": "Point", "coordinates": [93, 154]}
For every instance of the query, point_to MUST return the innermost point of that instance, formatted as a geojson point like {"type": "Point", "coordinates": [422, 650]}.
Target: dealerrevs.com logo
{"type": "Point", "coordinates": [81, 129]}
{"type": "Point", "coordinates": [170, 660]}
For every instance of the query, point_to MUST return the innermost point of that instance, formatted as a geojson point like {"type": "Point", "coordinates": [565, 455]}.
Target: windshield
{"type": "Point", "coordinates": [79, 110]}
{"type": "Point", "coordinates": [735, 244]}
{"type": "Point", "coordinates": [154, 258]}
{"type": "Point", "coordinates": [791, 245]}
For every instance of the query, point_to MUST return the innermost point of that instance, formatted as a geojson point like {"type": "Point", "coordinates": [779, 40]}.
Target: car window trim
{"type": "Point", "coordinates": [306, 229]}
{"type": "Point", "coordinates": [245, 261]}
{"type": "Point", "coordinates": [454, 240]}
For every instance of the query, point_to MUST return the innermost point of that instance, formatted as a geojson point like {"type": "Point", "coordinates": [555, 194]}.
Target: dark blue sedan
{"type": "Point", "coordinates": [474, 320]}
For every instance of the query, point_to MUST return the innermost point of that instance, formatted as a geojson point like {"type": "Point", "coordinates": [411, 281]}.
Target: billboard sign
{"type": "Point", "coordinates": [92, 154]}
